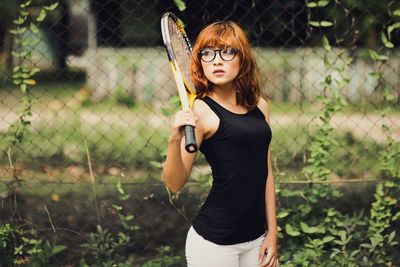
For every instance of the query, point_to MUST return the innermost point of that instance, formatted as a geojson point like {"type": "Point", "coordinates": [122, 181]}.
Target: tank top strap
{"type": "Point", "coordinates": [214, 106]}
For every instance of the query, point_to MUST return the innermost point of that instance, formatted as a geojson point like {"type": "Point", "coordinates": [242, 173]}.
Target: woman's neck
{"type": "Point", "coordinates": [224, 95]}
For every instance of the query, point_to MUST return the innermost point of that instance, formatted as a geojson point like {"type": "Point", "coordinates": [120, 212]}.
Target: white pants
{"type": "Point", "coordinates": [203, 253]}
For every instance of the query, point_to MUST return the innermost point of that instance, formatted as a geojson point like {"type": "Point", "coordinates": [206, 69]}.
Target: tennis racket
{"type": "Point", "coordinates": [179, 51]}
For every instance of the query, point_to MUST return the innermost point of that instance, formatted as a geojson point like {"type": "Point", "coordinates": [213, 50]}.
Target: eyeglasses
{"type": "Point", "coordinates": [208, 54]}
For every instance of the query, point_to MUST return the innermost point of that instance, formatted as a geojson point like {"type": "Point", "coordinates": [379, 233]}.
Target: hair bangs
{"type": "Point", "coordinates": [221, 37]}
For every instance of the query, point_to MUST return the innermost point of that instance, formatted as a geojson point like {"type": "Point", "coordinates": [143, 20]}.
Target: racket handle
{"type": "Point", "coordinates": [190, 140]}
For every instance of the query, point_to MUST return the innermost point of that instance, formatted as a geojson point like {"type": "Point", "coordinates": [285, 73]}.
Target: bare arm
{"type": "Point", "coordinates": [270, 244]}
{"type": "Point", "coordinates": [270, 199]}
{"type": "Point", "coordinates": [179, 162]}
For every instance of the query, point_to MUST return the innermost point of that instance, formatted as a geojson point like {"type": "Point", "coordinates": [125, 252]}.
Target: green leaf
{"type": "Point", "coordinates": [393, 27]}
{"type": "Point", "coordinates": [304, 227]}
{"type": "Point", "coordinates": [391, 236]}
{"type": "Point", "coordinates": [17, 75]}
{"type": "Point", "coordinates": [314, 23]}
{"type": "Point", "coordinates": [21, 75]}
{"type": "Point", "coordinates": [323, 23]}
{"type": "Point", "coordinates": [375, 56]}
{"type": "Point", "coordinates": [311, 4]}
{"type": "Point", "coordinates": [328, 239]}
{"type": "Point", "coordinates": [34, 28]}
{"type": "Point", "coordinates": [23, 88]}
{"type": "Point", "coordinates": [42, 15]}
{"type": "Point", "coordinates": [180, 4]}
{"type": "Point", "coordinates": [355, 252]}
{"type": "Point", "coordinates": [291, 231]}
{"type": "Point", "coordinates": [166, 112]}
{"type": "Point", "coordinates": [58, 249]}
{"type": "Point", "coordinates": [26, 4]}
{"type": "Point", "coordinates": [17, 81]}
{"type": "Point", "coordinates": [117, 207]}
{"type": "Point", "coordinates": [397, 12]}
{"type": "Point", "coordinates": [125, 197]}
{"type": "Point", "coordinates": [129, 217]}
{"type": "Point", "coordinates": [120, 189]}
{"type": "Point", "coordinates": [290, 193]}
{"type": "Point", "coordinates": [19, 21]}
{"type": "Point", "coordinates": [18, 250]}
{"type": "Point", "coordinates": [323, 3]}
{"type": "Point", "coordinates": [310, 229]}
{"type": "Point", "coordinates": [18, 30]}
{"type": "Point", "coordinates": [375, 74]}
{"type": "Point", "coordinates": [325, 43]}
{"type": "Point", "coordinates": [379, 190]}
{"type": "Point", "coordinates": [156, 164]}
{"type": "Point", "coordinates": [30, 82]}
{"type": "Point", "coordinates": [282, 214]}
{"type": "Point", "coordinates": [51, 7]}
{"type": "Point", "coordinates": [33, 71]}
{"type": "Point", "coordinates": [385, 41]}
{"type": "Point", "coordinates": [390, 97]}
{"type": "Point", "coordinates": [396, 216]}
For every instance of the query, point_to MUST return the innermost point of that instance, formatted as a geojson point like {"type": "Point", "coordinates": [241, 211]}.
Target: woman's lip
{"type": "Point", "coordinates": [218, 71]}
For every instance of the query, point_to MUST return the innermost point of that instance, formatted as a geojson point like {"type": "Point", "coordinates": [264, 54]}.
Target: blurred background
{"type": "Point", "coordinates": [85, 117]}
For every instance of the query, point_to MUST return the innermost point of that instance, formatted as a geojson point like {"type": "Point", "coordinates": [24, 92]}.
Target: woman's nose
{"type": "Point", "coordinates": [217, 59]}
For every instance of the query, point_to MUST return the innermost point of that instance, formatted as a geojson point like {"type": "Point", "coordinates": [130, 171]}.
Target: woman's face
{"type": "Point", "coordinates": [220, 65]}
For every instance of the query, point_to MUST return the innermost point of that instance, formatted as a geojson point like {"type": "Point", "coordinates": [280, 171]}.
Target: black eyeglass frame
{"type": "Point", "coordinates": [219, 51]}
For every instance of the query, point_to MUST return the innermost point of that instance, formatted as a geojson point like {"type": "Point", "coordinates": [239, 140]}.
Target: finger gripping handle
{"type": "Point", "coordinates": [190, 140]}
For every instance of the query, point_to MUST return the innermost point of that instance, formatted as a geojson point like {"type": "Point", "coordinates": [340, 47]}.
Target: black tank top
{"type": "Point", "coordinates": [234, 210]}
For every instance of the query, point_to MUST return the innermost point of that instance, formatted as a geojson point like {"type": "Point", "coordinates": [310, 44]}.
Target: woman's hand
{"type": "Point", "coordinates": [268, 256]}
{"type": "Point", "coordinates": [182, 118]}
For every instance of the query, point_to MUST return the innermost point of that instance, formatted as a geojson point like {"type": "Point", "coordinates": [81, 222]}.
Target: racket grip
{"type": "Point", "coordinates": [190, 140]}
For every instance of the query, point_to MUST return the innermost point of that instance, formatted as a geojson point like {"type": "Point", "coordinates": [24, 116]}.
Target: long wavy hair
{"type": "Point", "coordinates": [223, 34]}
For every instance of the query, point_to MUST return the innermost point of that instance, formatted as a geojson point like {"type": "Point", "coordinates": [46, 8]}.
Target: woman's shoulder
{"type": "Point", "coordinates": [263, 105]}
{"type": "Point", "coordinates": [201, 109]}
{"type": "Point", "coordinates": [207, 120]}
{"type": "Point", "coordinates": [200, 106]}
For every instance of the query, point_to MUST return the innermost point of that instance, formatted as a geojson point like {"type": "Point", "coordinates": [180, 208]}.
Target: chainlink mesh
{"type": "Point", "coordinates": [103, 106]}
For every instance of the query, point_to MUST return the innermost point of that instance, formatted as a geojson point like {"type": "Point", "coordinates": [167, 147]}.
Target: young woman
{"type": "Point", "coordinates": [236, 225]}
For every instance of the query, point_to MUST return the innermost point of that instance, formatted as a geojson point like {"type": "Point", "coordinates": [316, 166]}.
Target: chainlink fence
{"type": "Point", "coordinates": [105, 93]}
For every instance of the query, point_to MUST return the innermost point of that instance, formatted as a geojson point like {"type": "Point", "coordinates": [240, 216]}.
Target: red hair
{"type": "Point", "coordinates": [224, 34]}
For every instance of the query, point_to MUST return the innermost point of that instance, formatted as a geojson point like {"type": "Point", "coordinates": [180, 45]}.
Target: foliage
{"type": "Point", "coordinates": [180, 4]}
{"type": "Point", "coordinates": [20, 246]}
{"type": "Point", "coordinates": [122, 97]}
{"type": "Point", "coordinates": [107, 248]}
{"type": "Point", "coordinates": [164, 258]}
{"type": "Point", "coordinates": [317, 234]}
{"type": "Point", "coordinates": [313, 232]}
{"type": "Point", "coordinates": [357, 22]}
{"type": "Point", "coordinates": [22, 74]}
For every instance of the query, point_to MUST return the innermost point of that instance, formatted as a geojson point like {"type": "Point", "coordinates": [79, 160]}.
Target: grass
{"type": "Point", "coordinates": [55, 150]}
{"type": "Point", "coordinates": [62, 143]}
{"type": "Point", "coordinates": [129, 139]}
{"type": "Point", "coordinates": [354, 158]}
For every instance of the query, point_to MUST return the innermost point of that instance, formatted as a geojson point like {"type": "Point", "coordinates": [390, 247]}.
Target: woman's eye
{"type": "Point", "coordinates": [230, 51]}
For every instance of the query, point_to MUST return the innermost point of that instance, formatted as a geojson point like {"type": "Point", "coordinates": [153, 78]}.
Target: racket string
{"type": "Point", "coordinates": [181, 49]}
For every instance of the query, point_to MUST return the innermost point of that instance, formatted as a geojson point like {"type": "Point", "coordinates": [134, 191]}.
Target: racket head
{"type": "Point", "coordinates": [179, 50]}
